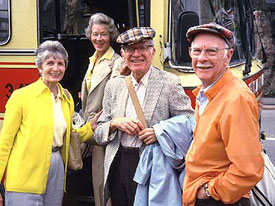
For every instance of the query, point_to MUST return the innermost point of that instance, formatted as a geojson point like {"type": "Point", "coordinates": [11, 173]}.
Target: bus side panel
{"type": "Point", "coordinates": [159, 21]}
{"type": "Point", "coordinates": [17, 57]}
{"type": "Point", "coordinates": [12, 79]}
{"type": "Point", "coordinates": [24, 31]}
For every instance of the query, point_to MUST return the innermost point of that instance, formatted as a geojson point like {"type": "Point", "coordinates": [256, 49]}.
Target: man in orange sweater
{"type": "Point", "coordinates": [225, 160]}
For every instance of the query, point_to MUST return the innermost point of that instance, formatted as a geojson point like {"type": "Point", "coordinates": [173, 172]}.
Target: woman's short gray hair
{"type": "Point", "coordinates": [100, 18]}
{"type": "Point", "coordinates": [50, 49]}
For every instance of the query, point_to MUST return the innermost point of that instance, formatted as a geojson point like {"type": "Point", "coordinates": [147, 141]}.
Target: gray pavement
{"type": "Point", "coordinates": [268, 121]}
{"type": "Point", "coordinates": [269, 100]}
{"type": "Point", "coordinates": [269, 146]}
{"type": "Point", "coordinates": [269, 103]}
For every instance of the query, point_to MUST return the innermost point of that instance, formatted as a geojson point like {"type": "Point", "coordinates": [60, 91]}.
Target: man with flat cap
{"type": "Point", "coordinates": [224, 162]}
{"type": "Point", "coordinates": [160, 95]}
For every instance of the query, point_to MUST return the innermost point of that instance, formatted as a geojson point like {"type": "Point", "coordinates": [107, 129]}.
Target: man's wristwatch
{"type": "Point", "coordinates": [206, 190]}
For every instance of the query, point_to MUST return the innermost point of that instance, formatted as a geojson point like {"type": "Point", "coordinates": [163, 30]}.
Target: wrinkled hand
{"type": "Point", "coordinates": [201, 193]}
{"type": "Point", "coordinates": [126, 124]}
{"type": "Point", "coordinates": [125, 70]}
{"type": "Point", "coordinates": [93, 121]}
{"type": "Point", "coordinates": [147, 136]}
{"type": "Point", "coordinates": [1, 200]}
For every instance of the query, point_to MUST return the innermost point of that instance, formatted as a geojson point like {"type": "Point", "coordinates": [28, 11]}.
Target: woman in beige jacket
{"type": "Point", "coordinates": [104, 64]}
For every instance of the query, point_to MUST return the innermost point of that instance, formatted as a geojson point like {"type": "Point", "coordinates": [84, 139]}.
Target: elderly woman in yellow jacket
{"type": "Point", "coordinates": [35, 137]}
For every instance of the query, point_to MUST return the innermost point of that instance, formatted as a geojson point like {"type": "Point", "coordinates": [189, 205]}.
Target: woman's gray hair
{"type": "Point", "coordinates": [50, 49]}
{"type": "Point", "coordinates": [100, 18]}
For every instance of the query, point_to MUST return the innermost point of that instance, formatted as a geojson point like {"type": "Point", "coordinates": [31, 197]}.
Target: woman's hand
{"type": "Point", "coordinates": [93, 121]}
{"type": "Point", "coordinates": [1, 200]}
{"type": "Point", "coordinates": [147, 136]}
{"type": "Point", "coordinates": [125, 70]}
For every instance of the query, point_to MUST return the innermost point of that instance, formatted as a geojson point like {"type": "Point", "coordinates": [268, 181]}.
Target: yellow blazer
{"type": "Point", "coordinates": [26, 137]}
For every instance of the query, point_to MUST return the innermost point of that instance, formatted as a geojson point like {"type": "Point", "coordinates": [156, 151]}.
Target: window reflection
{"type": "Point", "coordinates": [3, 4]}
{"type": "Point", "coordinates": [225, 12]}
{"type": "Point", "coordinates": [4, 22]}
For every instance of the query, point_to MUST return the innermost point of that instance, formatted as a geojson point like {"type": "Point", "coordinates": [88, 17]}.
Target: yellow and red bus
{"type": "Point", "coordinates": [24, 24]}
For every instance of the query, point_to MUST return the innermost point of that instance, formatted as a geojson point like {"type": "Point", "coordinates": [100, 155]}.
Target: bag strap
{"type": "Point", "coordinates": [135, 101]}
{"type": "Point", "coordinates": [67, 93]}
{"type": "Point", "coordinates": [260, 196]}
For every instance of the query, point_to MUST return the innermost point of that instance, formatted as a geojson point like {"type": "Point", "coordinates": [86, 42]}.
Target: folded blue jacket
{"type": "Point", "coordinates": [160, 171]}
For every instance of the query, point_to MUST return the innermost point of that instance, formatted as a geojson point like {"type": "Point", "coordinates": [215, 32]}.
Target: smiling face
{"type": "Point", "coordinates": [138, 57]}
{"type": "Point", "coordinates": [100, 38]}
{"type": "Point", "coordinates": [52, 70]}
{"type": "Point", "coordinates": [209, 68]}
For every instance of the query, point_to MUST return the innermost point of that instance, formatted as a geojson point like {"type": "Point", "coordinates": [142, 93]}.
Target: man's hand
{"type": "Point", "coordinates": [201, 193]}
{"type": "Point", "coordinates": [93, 121]}
{"type": "Point", "coordinates": [126, 124]}
{"type": "Point", "coordinates": [147, 136]}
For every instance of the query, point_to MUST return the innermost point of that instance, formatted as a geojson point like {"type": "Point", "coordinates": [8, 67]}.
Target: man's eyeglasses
{"type": "Point", "coordinates": [211, 52]}
{"type": "Point", "coordinates": [141, 49]}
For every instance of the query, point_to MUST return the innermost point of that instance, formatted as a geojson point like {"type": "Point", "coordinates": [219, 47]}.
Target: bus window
{"type": "Point", "coordinates": [144, 12]}
{"type": "Point", "coordinates": [184, 14]}
{"type": "Point", "coordinates": [229, 13]}
{"type": "Point", "coordinates": [4, 21]}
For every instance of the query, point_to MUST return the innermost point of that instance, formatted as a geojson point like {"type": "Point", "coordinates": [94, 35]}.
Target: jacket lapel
{"type": "Point", "coordinates": [152, 94]}
{"type": "Point", "coordinates": [104, 69]}
{"type": "Point", "coordinates": [122, 100]}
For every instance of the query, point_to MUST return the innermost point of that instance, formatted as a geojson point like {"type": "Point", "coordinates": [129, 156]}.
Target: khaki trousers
{"type": "Point", "coordinates": [98, 154]}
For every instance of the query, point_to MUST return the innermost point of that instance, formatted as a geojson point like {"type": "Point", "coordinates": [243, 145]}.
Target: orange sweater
{"type": "Point", "coordinates": [226, 151]}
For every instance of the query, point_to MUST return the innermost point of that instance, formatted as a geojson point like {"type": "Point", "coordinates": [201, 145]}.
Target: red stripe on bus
{"type": "Point", "coordinates": [17, 63]}
{"type": "Point", "coordinates": [10, 68]}
{"type": "Point", "coordinates": [12, 79]}
{"type": "Point", "coordinates": [253, 77]}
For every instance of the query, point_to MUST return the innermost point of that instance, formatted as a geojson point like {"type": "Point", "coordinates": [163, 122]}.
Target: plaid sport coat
{"type": "Point", "coordinates": [164, 98]}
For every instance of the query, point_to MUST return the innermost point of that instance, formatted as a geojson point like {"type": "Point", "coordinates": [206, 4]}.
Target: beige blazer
{"type": "Point", "coordinates": [91, 104]}
{"type": "Point", "coordinates": [92, 101]}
